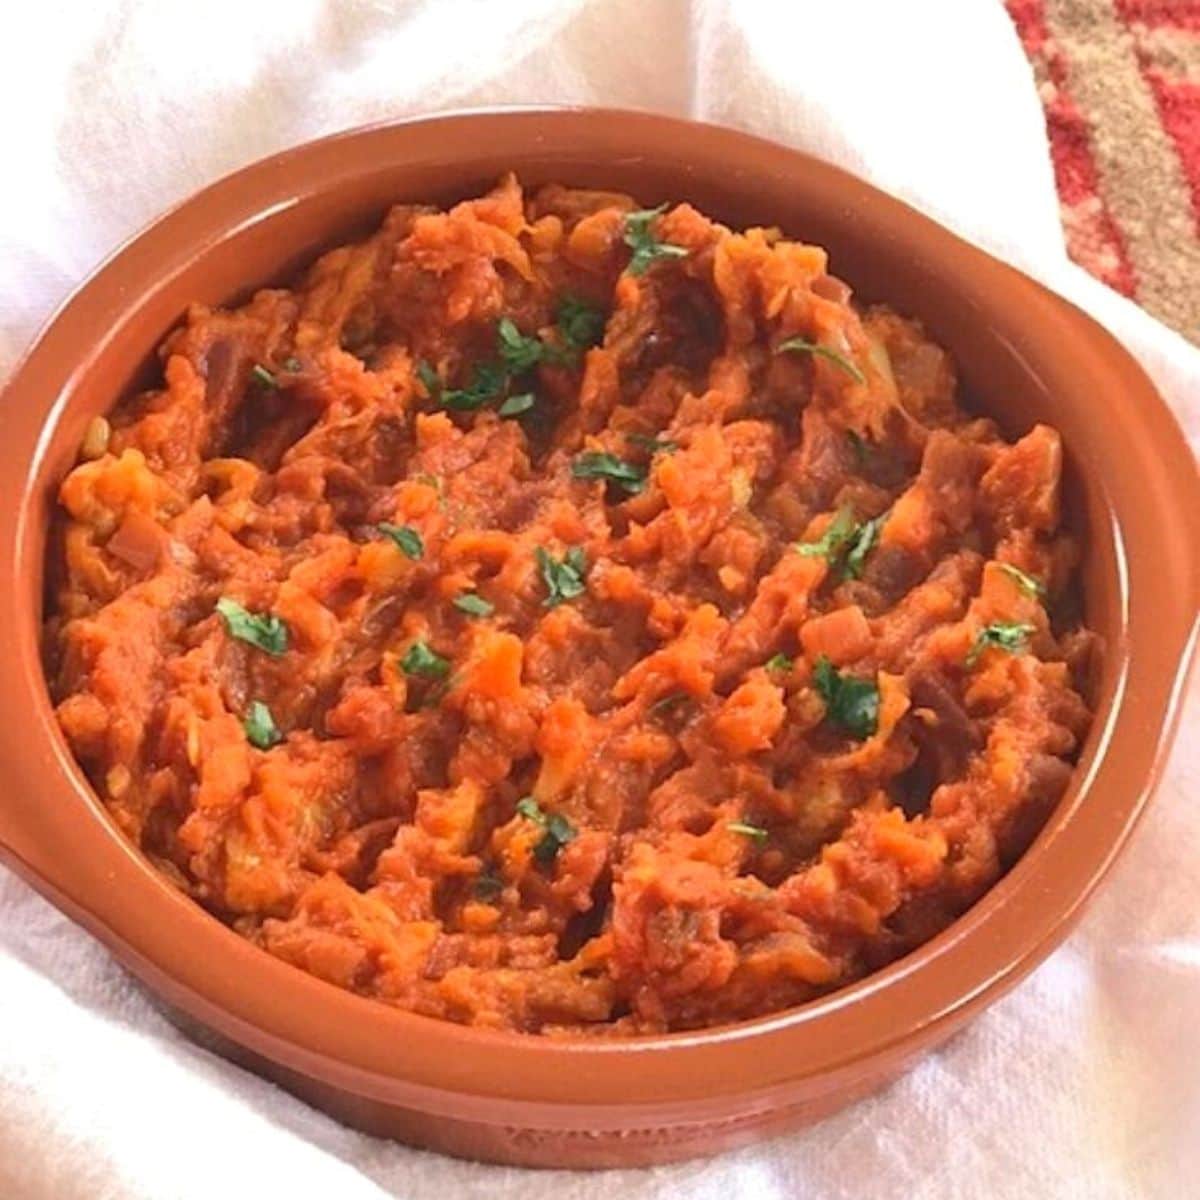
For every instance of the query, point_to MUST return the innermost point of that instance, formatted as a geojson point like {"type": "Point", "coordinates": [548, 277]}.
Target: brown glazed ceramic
{"type": "Point", "coordinates": [1024, 355]}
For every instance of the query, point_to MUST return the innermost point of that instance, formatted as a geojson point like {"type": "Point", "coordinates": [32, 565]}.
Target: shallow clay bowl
{"type": "Point", "coordinates": [1024, 356]}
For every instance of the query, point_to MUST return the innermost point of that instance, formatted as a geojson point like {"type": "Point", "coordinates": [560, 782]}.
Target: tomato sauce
{"type": "Point", "coordinates": [563, 617]}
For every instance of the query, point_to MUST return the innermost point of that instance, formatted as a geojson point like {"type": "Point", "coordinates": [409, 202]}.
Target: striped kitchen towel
{"type": "Point", "coordinates": [1120, 84]}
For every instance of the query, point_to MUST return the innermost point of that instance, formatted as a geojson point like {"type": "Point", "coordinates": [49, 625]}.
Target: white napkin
{"type": "Point", "coordinates": [1085, 1082]}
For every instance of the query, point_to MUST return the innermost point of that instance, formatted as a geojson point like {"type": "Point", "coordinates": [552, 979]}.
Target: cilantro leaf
{"type": "Point", "coordinates": [473, 605]}
{"type": "Point", "coordinates": [265, 631]}
{"type": "Point", "coordinates": [830, 544]}
{"type": "Point", "coordinates": [846, 540]}
{"type": "Point", "coordinates": [641, 240]}
{"type": "Point", "coordinates": [756, 832]}
{"type": "Point", "coordinates": [420, 660]}
{"type": "Point", "coordinates": [1027, 583]}
{"type": "Point", "coordinates": [653, 444]}
{"type": "Point", "coordinates": [861, 544]}
{"type": "Point", "coordinates": [514, 406]}
{"type": "Point", "coordinates": [803, 346]}
{"type": "Point", "coordinates": [488, 381]}
{"type": "Point", "coordinates": [778, 662]}
{"type": "Point", "coordinates": [263, 377]}
{"type": "Point", "coordinates": [580, 324]}
{"type": "Point", "coordinates": [598, 464]}
{"type": "Point", "coordinates": [518, 352]}
{"type": "Point", "coordinates": [564, 580]}
{"type": "Point", "coordinates": [851, 703]}
{"type": "Point", "coordinates": [405, 537]}
{"type": "Point", "coordinates": [260, 727]}
{"type": "Point", "coordinates": [557, 830]}
{"type": "Point", "coordinates": [429, 378]}
{"type": "Point", "coordinates": [488, 885]}
{"type": "Point", "coordinates": [1009, 636]}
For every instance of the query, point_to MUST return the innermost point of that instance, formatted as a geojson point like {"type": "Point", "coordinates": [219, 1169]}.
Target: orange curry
{"type": "Point", "coordinates": [564, 617]}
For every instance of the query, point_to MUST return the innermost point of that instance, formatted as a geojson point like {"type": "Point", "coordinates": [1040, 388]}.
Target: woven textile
{"type": "Point", "coordinates": [1120, 84]}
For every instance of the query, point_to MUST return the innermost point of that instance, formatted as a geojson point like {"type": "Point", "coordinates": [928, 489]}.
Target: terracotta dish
{"type": "Point", "coordinates": [1024, 357]}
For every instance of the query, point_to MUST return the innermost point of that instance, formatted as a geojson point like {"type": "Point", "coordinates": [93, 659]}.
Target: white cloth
{"type": "Point", "coordinates": [1085, 1082]}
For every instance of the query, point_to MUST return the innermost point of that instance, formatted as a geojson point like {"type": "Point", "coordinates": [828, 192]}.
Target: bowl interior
{"type": "Point", "coordinates": [1022, 359]}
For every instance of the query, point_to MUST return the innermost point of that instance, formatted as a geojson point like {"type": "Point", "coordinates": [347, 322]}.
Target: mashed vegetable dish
{"type": "Point", "coordinates": [563, 616]}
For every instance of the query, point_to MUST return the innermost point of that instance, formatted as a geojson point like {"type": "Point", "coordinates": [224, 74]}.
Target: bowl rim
{"type": "Point", "coordinates": [401, 1057]}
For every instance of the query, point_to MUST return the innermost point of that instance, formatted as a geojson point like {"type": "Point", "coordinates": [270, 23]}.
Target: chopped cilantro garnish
{"type": "Point", "coordinates": [518, 352]}
{"type": "Point", "coordinates": [1009, 636]}
{"type": "Point", "coordinates": [488, 885]}
{"type": "Point", "coordinates": [641, 240]}
{"type": "Point", "coordinates": [837, 534]}
{"type": "Point", "coordinates": [1027, 583]}
{"type": "Point", "coordinates": [653, 444]}
{"type": "Point", "coordinates": [846, 536]}
{"type": "Point", "coordinates": [429, 378]}
{"type": "Point", "coordinates": [473, 605]}
{"type": "Point", "coordinates": [514, 406]}
{"type": "Point", "coordinates": [263, 377]}
{"type": "Point", "coordinates": [262, 630]}
{"type": "Point", "coordinates": [420, 660]}
{"type": "Point", "coordinates": [580, 324]}
{"type": "Point", "coordinates": [564, 580]}
{"type": "Point", "coordinates": [861, 544]}
{"type": "Point", "coordinates": [488, 382]}
{"type": "Point", "coordinates": [803, 346]}
{"type": "Point", "coordinates": [598, 464]}
{"type": "Point", "coordinates": [755, 832]}
{"type": "Point", "coordinates": [851, 703]}
{"type": "Point", "coordinates": [405, 536]}
{"type": "Point", "coordinates": [778, 662]}
{"type": "Point", "coordinates": [260, 727]}
{"type": "Point", "coordinates": [557, 830]}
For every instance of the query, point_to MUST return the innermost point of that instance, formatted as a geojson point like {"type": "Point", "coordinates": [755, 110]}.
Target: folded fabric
{"type": "Point", "coordinates": [1084, 1081]}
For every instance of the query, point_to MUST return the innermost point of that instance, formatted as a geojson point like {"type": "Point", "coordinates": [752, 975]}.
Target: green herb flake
{"type": "Point", "coordinates": [1009, 636]}
{"type": "Point", "coordinates": [488, 382]}
{"type": "Point", "coordinates": [860, 545]}
{"type": "Point", "coordinates": [265, 631]}
{"type": "Point", "coordinates": [580, 324]}
{"type": "Point", "coordinates": [564, 579]}
{"type": "Point", "coordinates": [260, 727]}
{"type": "Point", "coordinates": [1027, 583]}
{"type": "Point", "coordinates": [557, 830]}
{"type": "Point", "coordinates": [860, 447]}
{"type": "Point", "coordinates": [850, 703]}
{"type": "Point", "coordinates": [778, 662]}
{"type": "Point", "coordinates": [429, 378]}
{"type": "Point", "coordinates": [756, 832]}
{"type": "Point", "coordinates": [420, 660]}
{"type": "Point", "coordinates": [655, 445]}
{"type": "Point", "coordinates": [488, 885]}
{"type": "Point", "coordinates": [514, 406]}
{"type": "Point", "coordinates": [598, 464]}
{"type": "Point", "coordinates": [801, 345]}
{"type": "Point", "coordinates": [640, 239]}
{"type": "Point", "coordinates": [405, 537]}
{"type": "Point", "coordinates": [473, 605]}
{"type": "Point", "coordinates": [263, 377]}
{"type": "Point", "coordinates": [837, 535]}
{"type": "Point", "coordinates": [518, 352]}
